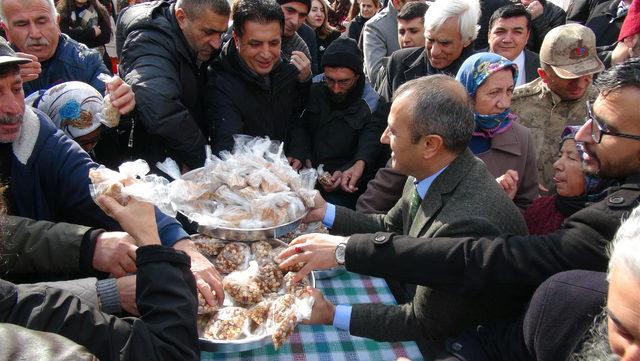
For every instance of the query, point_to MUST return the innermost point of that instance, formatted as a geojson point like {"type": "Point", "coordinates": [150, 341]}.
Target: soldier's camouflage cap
{"type": "Point", "coordinates": [571, 51]}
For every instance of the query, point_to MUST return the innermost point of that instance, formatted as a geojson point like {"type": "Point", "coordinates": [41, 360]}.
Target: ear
{"type": "Point", "coordinates": [543, 75]}
{"type": "Point", "coordinates": [181, 17]}
{"type": "Point", "coordinates": [432, 144]}
{"type": "Point", "coordinates": [235, 38]}
{"type": "Point", "coordinates": [466, 43]}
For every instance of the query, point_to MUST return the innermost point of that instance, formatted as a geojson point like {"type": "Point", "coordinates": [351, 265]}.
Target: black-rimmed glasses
{"type": "Point", "coordinates": [598, 128]}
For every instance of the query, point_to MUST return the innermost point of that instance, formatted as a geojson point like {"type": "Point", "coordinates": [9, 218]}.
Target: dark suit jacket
{"type": "Point", "coordinates": [464, 200]}
{"type": "Point", "coordinates": [412, 63]}
{"type": "Point", "coordinates": [531, 65]}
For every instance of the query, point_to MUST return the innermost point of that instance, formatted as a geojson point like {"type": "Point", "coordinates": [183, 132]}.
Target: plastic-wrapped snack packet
{"type": "Point", "coordinates": [261, 249]}
{"type": "Point", "coordinates": [110, 114]}
{"type": "Point", "coordinates": [305, 189]}
{"type": "Point", "coordinates": [232, 257]}
{"type": "Point", "coordinates": [204, 308]}
{"type": "Point", "coordinates": [270, 278]}
{"type": "Point", "coordinates": [324, 178]}
{"type": "Point", "coordinates": [209, 247]}
{"type": "Point", "coordinates": [258, 315]}
{"type": "Point", "coordinates": [201, 323]}
{"type": "Point", "coordinates": [297, 289]}
{"type": "Point", "coordinates": [285, 313]}
{"type": "Point", "coordinates": [284, 329]}
{"type": "Point", "coordinates": [242, 286]}
{"type": "Point", "coordinates": [227, 324]}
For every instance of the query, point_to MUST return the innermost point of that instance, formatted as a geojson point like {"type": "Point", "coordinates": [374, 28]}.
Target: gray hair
{"type": "Point", "coordinates": [50, 3]}
{"type": "Point", "coordinates": [441, 107]}
{"type": "Point", "coordinates": [625, 248]}
{"type": "Point", "coordinates": [194, 8]}
{"type": "Point", "coordinates": [467, 12]}
{"type": "Point", "coordinates": [596, 346]}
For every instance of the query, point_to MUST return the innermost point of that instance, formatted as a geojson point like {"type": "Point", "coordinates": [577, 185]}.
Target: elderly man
{"type": "Point", "coordinates": [450, 28]}
{"type": "Point", "coordinates": [475, 266]}
{"type": "Point", "coordinates": [164, 49]}
{"type": "Point", "coordinates": [254, 91]}
{"type": "Point", "coordinates": [509, 31]}
{"type": "Point", "coordinates": [341, 124]}
{"type": "Point", "coordinates": [32, 28]}
{"type": "Point", "coordinates": [429, 127]}
{"type": "Point", "coordinates": [379, 38]}
{"type": "Point", "coordinates": [47, 178]}
{"type": "Point", "coordinates": [568, 61]}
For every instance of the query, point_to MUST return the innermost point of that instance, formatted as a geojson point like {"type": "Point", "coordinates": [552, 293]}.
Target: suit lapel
{"type": "Point", "coordinates": [417, 68]}
{"type": "Point", "coordinates": [444, 184]}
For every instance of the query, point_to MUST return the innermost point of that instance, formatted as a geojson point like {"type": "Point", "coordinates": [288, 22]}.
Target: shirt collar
{"type": "Point", "coordinates": [519, 60]}
{"type": "Point", "coordinates": [423, 186]}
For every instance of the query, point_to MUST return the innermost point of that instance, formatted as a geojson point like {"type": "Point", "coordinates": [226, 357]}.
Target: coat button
{"type": "Point", "coordinates": [616, 200]}
{"type": "Point", "coordinates": [456, 346]}
{"type": "Point", "coordinates": [379, 239]}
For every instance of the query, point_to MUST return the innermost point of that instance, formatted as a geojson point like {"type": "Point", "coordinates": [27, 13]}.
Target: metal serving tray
{"type": "Point", "coordinates": [250, 343]}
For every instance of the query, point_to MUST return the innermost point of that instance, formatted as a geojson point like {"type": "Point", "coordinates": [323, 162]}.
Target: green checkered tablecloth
{"type": "Point", "coordinates": [325, 343]}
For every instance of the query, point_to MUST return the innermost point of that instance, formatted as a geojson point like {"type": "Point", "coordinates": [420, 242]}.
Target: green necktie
{"type": "Point", "coordinates": [415, 204]}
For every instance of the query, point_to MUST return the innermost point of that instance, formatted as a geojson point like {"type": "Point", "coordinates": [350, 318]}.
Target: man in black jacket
{"type": "Point", "coordinates": [164, 48]}
{"type": "Point", "coordinates": [518, 264]}
{"type": "Point", "coordinates": [253, 91]}
{"type": "Point", "coordinates": [341, 125]}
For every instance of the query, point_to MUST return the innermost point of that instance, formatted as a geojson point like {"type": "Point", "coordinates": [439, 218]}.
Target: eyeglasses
{"type": "Point", "coordinates": [341, 83]}
{"type": "Point", "coordinates": [598, 129]}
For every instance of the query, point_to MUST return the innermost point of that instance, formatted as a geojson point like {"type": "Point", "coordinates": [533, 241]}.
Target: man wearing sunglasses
{"type": "Point", "coordinates": [341, 125]}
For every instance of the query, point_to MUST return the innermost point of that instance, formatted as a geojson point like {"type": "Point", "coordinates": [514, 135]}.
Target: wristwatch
{"type": "Point", "coordinates": [341, 248]}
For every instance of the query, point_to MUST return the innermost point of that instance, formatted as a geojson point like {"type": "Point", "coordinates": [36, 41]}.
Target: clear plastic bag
{"type": "Point", "coordinates": [110, 114]}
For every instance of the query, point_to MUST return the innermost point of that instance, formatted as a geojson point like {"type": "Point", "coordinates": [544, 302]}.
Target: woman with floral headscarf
{"type": "Point", "coordinates": [505, 146]}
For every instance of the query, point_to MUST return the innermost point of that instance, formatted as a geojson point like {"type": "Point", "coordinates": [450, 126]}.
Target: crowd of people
{"type": "Point", "coordinates": [479, 152]}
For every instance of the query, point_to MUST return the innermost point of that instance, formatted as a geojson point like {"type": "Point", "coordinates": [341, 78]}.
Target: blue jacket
{"type": "Point", "coordinates": [50, 180]}
{"type": "Point", "coordinates": [71, 61]}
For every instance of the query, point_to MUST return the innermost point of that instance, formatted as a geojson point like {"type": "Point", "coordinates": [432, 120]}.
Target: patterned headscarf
{"type": "Point", "coordinates": [472, 73]}
{"type": "Point", "coordinates": [74, 107]}
{"type": "Point", "coordinates": [593, 183]}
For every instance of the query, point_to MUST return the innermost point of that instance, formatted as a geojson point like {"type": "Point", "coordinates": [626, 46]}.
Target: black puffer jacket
{"type": "Point", "coordinates": [239, 101]}
{"type": "Point", "coordinates": [158, 63]}
{"type": "Point", "coordinates": [337, 136]}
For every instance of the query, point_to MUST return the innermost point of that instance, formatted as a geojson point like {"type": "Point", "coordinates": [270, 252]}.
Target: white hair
{"type": "Point", "coordinates": [467, 12]}
{"type": "Point", "coordinates": [50, 3]}
{"type": "Point", "coordinates": [625, 248]}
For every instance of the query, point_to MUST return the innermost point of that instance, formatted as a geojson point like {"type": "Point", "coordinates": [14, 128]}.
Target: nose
{"type": "Point", "coordinates": [384, 138]}
{"type": "Point", "coordinates": [558, 165]}
{"type": "Point", "coordinates": [216, 41]}
{"type": "Point", "coordinates": [34, 31]}
{"type": "Point", "coordinates": [631, 353]}
{"type": "Point", "coordinates": [9, 105]}
{"type": "Point", "coordinates": [435, 50]}
{"type": "Point", "coordinates": [504, 102]}
{"type": "Point", "coordinates": [584, 133]}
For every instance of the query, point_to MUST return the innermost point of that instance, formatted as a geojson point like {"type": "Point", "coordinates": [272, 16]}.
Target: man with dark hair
{"type": "Point", "coordinates": [509, 30]}
{"type": "Point", "coordinates": [411, 25]}
{"type": "Point", "coordinates": [341, 124]}
{"type": "Point", "coordinates": [294, 48]}
{"type": "Point", "coordinates": [450, 28]}
{"type": "Point", "coordinates": [429, 127]}
{"type": "Point", "coordinates": [165, 48]}
{"type": "Point", "coordinates": [476, 266]}
{"type": "Point", "coordinates": [253, 90]}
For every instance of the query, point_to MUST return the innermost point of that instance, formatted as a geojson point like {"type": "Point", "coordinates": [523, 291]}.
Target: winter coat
{"type": "Point", "coordinates": [50, 180]}
{"type": "Point", "coordinates": [242, 102]}
{"type": "Point", "coordinates": [71, 61]}
{"type": "Point", "coordinates": [338, 137]}
{"type": "Point", "coordinates": [158, 63]}
{"type": "Point", "coordinates": [165, 294]}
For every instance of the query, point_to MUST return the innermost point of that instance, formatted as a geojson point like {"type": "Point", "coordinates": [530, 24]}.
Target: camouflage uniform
{"type": "Point", "coordinates": [546, 115]}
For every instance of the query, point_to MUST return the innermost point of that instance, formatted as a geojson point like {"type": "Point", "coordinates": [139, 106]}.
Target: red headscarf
{"type": "Point", "coordinates": [631, 24]}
